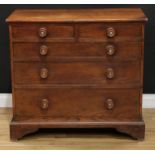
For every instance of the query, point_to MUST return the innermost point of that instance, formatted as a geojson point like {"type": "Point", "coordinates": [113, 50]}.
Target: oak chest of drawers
{"type": "Point", "coordinates": [77, 69]}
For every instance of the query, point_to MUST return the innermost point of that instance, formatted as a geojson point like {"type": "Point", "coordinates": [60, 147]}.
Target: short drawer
{"type": "Point", "coordinates": [78, 104]}
{"type": "Point", "coordinates": [110, 31]}
{"type": "Point", "coordinates": [41, 32]}
{"type": "Point", "coordinates": [87, 73]}
{"type": "Point", "coordinates": [122, 51]}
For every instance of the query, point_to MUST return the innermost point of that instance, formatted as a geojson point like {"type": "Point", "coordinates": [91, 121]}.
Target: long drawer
{"type": "Point", "coordinates": [122, 51]}
{"type": "Point", "coordinates": [106, 74]}
{"type": "Point", "coordinates": [78, 104]}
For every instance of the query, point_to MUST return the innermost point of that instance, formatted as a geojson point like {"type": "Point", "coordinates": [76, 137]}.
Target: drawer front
{"type": "Point", "coordinates": [49, 51]}
{"type": "Point", "coordinates": [108, 74]}
{"type": "Point", "coordinates": [84, 32]}
{"type": "Point", "coordinates": [111, 31]}
{"type": "Point", "coordinates": [41, 32]}
{"type": "Point", "coordinates": [78, 104]}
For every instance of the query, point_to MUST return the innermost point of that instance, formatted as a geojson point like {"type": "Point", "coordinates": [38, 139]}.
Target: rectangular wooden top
{"type": "Point", "coordinates": [78, 15]}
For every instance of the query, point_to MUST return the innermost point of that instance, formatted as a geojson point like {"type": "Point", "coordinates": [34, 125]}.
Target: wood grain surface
{"type": "Point", "coordinates": [77, 139]}
{"type": "Point", "coordinates": [80, 15]}
{"type": "Point", "coordinates": [76, 69]}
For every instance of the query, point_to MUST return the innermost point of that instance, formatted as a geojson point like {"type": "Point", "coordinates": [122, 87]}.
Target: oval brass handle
{"type": "Point", "coordinates": [42, 32]}
{"type": "Point", "coordinates": [109, 104]}
{"type": "Point", "coordinates": [44, 104]}
{"type": "Point", "coordinates": [44, 73]}
{"type": "Point", "coordinates": [110, 50]}
{"type": "Point", "coordinates": [110, 73]}
{"type": "Point", "coordinates": [43, 50]}
{"type": "Point", "coordinates": [111, 32]}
